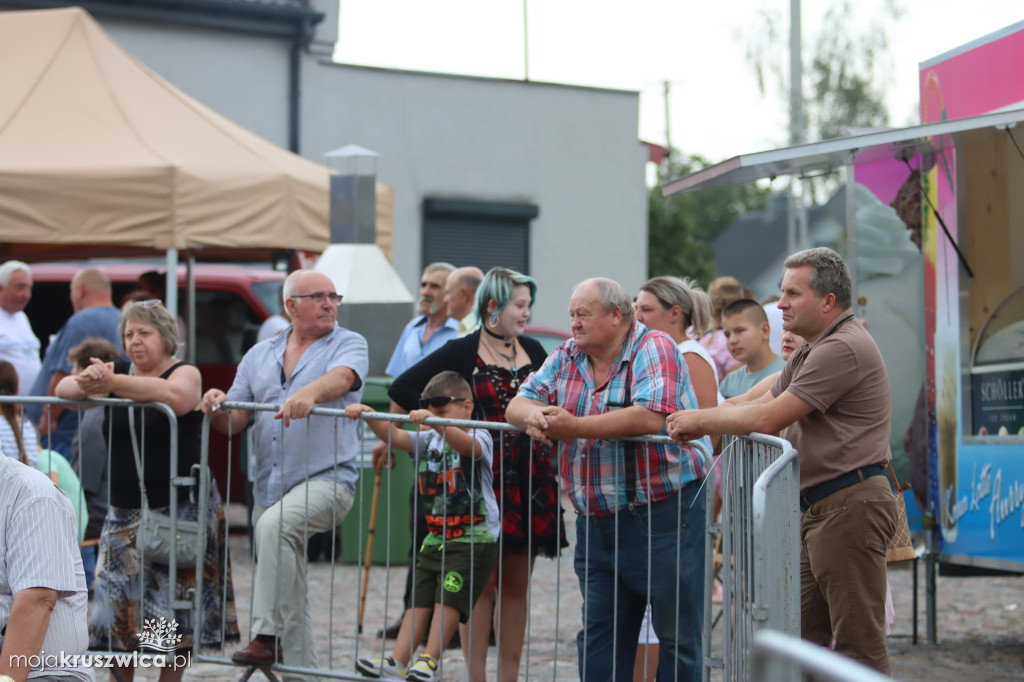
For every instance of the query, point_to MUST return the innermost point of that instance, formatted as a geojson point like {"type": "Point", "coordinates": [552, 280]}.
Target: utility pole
{"type": "Point", "coordinates": [797, 214]}
{"type": "Point", "coordinates": [796, 75]}
{"type": "Point", "coordinates": [668, 134]}
{"type": "Point", "coordinates": [526, 46]}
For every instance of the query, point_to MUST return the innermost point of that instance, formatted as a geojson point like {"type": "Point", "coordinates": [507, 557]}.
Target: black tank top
{"type": "Point", "coordinates": [152, 430]}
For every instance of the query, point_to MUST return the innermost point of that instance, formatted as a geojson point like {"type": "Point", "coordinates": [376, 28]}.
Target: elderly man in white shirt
{"type": "Point", "coordinates": [43, 598]}
{"type": "Point", "coordinates": [18, 343]}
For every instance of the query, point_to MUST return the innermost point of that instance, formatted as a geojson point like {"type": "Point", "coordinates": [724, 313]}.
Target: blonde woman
{"type": "Point", "coordinates": [123, 601]}
{"type": "Point", "coordinates": [674, 305]}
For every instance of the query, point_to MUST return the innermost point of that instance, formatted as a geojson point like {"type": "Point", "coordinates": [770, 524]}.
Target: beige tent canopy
{"type": "Point", "coordinates": [97, 150]}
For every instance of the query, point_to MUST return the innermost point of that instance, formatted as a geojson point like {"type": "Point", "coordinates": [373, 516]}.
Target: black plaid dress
{"type": "Point", "coordinates": [525, 486]}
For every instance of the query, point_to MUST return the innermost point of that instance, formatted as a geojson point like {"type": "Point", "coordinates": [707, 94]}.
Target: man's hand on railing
{"type": "Point", "coordinates": [211, 401]}
{"type": "Point", "coordinates": [298, 405]}
{"type": "Point", "coordinates": [683, 426]}
{"type": "Point", "coordinates": [550, 423]}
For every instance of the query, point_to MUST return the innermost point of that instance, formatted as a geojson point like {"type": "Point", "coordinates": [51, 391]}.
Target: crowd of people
{"type": "Point", "coordinates": [674, 360]}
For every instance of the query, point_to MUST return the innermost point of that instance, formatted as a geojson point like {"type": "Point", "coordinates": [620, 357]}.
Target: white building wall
{"type": "Point", "coordinates": [571, 151]}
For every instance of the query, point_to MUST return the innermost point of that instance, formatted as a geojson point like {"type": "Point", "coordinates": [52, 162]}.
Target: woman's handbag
{"type": "Point", "coordinates": [901, 547]}
{"type": "Point", "coordinates": [154, 538]}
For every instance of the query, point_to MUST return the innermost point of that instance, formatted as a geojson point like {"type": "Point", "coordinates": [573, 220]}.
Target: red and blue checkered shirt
{"type": "Point", "coordinates": [594, 470]}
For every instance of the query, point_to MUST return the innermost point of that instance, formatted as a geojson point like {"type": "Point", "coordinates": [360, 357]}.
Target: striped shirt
{"type": "Point", "coordinates": [9, 444]}
{"type": "Point", "coordinates": [38, 549]}
{"type": "Point", "coordinates": [594, 470]}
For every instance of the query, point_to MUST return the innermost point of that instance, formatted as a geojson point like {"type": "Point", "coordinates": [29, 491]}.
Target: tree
{"type": "Point", "coordinates": [682, 226]}
{"type": "Point", "coordinates": [844, 78]}
{"type": "Point", "coordinates": [847, 75]}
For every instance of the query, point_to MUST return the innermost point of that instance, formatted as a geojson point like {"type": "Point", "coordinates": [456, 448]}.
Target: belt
{"type": "Point", "coordinates": [823, 490]}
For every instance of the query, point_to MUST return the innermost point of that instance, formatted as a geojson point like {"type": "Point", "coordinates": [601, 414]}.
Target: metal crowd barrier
{"type": "Point", "coordinates": [773, 650]}
{"type": "Point", "coordinates": [759, 570]}
{"type": "Point", "coordinates": [344, 641]}
{"type": "Point", "coordinates": [175, 606]}
{"type": "Point", "coordinates": [760, 557]}
{"type": "Point", "coordinates": [758, 565]}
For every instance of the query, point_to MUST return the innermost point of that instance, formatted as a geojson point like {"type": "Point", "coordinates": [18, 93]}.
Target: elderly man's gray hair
{"type": "Point", "coordinates": [440, 265]}
{"type": "Point", "coordinates": [11, 267]}
{"type": "Point", "coordinates": [612, 295]}
{"type": "Point", "coordinates": [291, 283]}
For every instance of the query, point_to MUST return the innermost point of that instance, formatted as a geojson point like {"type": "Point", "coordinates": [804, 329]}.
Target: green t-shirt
{"type": "Point", "coordinates": [50, 461]}
{"type": "Point", "coordinates": [740, 381]}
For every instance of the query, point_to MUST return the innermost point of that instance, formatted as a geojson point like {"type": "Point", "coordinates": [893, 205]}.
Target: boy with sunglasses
{"type": "Point", "coordinates": [455, 481]}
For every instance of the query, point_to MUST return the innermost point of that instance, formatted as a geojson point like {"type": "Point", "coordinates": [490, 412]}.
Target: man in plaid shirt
{"type": "Point", "coordinates": [640, 523]}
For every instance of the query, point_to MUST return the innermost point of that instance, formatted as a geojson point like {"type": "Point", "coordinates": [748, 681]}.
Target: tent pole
{"type": "Point", "coordinates": [171, 302]}
{"type": "Point", "coordinates": [190, 291]}
{"type": "Point", "coordinates": [851, 232]}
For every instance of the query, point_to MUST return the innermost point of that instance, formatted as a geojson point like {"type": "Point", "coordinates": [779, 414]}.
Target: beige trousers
{"type": "Point", "coordinates": [281, 531]}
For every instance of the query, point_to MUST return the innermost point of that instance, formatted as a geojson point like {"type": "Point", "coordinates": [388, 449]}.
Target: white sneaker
{"type": "Point", "coordinates": [382, 668]}
{"type": "Point", "coordinates": [424, 670]}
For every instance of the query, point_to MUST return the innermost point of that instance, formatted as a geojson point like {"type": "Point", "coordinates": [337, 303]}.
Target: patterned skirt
{"type": "Point", "coordinates": [527, 493]}
{"type": "Point", "coordinates": [128, 593]}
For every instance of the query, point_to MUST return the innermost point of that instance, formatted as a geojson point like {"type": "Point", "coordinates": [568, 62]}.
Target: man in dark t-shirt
{"type": "Point", "coordinates": [833, 400]}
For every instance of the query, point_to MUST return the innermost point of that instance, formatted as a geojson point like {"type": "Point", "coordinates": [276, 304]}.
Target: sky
{"type": "Point", "coordinates": [716, 108]}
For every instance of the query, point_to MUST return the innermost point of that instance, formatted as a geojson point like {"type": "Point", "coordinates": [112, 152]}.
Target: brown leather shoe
{"type": "Point", "coordinates": [263, 650]}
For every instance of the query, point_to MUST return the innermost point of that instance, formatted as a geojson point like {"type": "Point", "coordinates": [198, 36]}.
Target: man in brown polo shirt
{"type": "Point", "coordinates": [833, 399]}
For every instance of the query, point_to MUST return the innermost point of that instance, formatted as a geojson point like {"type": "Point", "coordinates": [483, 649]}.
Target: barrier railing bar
{"type": "Point", "coordinates": [770, 645]}
{"type": "Point", "coordinates": [754, 470]}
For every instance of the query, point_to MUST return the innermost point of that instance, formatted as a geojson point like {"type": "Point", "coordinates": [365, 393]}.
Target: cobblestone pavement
{"type": "Point", "coordinates": [980, 626]}
{"type": "Point", "coordinates": [980, 623]}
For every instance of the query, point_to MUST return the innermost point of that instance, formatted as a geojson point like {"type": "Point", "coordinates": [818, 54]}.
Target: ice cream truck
{"type": "Point", "coordinates": [934, 235]}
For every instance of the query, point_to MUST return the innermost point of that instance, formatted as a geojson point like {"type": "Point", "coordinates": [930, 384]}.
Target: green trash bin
{"type": "Point", "coordinates": [392, 534]}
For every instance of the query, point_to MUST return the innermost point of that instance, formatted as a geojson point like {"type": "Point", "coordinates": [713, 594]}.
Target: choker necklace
{"type": "Point", "coordinates": [511, 358]}
{"type": "Point", "coordinates": [507, 340]}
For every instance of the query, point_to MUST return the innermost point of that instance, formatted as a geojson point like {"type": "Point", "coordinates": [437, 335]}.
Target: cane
{"type": "Point", "coordinates": [369, 548]}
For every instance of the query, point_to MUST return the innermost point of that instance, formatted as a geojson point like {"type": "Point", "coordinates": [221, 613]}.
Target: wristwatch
{"type": "Point", "coordinates": [6, 678]}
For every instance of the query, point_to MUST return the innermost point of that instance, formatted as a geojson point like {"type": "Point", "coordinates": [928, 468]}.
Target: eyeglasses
{"type": "Point", "coordinates": [438, 401]}
{"type": "Point", "coordinates": [149, 303]}
{"type": "Point", "coordinates": [320, 296]}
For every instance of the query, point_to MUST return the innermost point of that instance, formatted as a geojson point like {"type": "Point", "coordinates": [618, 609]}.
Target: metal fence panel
{"type": "Point", "coordinates": [759, 562]}
{"type": "Point", "coordinates": [175, 605]}
{"type": "Point", "coordinates": [758, 567]}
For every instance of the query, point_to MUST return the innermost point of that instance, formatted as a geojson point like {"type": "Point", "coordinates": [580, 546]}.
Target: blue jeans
{"type": "Point", "coordinates": [614, 582]}
{"type": "Point", "coordinates": [89, 565]}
